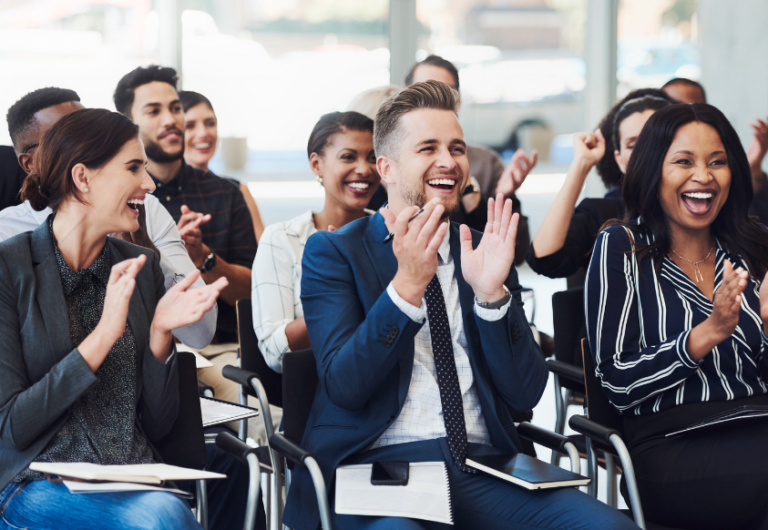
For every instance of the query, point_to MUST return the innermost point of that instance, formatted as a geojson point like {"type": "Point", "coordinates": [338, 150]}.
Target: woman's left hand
{"type": "Point", "coordinates": [181, 306]}
{"type": "Point", "coordinates": [764, 301]}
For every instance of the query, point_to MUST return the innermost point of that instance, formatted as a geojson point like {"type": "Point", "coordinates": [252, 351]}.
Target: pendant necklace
{"type": "Point", "coordinates": [696, 271]}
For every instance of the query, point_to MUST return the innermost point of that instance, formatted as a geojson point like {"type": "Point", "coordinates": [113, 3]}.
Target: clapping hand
{"type": "Point", "coordinates": [189, 230]}
{"type": "Point", "coordinates": [727, 300]}
{"type": "Point", "coordinates": [764, 300]}
{"type": "Point", "coordinates": [179, 307]}
{"type": "Point", "coordinates": [486, 267]}
{"type": "Point", "coordinates": [515, 172]}
{"type": "Point", "coordinates": [122, 281]}
{"type": "Point", "coordinates": [759, 146]}
{"type": "Point", "coordinates": [415, 245]}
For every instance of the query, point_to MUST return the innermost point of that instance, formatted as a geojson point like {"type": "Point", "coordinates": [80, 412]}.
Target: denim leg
{"type": "Point", "coordinates": [42, 505]}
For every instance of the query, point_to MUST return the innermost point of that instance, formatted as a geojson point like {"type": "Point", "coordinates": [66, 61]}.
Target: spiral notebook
{"type": "Point", "coordinates": [426, 496]}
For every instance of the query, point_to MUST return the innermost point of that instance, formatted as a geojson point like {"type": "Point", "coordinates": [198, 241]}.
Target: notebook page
{"type": "Point", "coordinates": [217, 412]}
{"type": "Point", "coordinates": [426, 496]}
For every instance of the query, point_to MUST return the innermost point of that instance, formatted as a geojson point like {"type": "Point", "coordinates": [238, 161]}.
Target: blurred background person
{"type": "Point", "coordinates": [341, 155]}
{"type": "Point", "coordinates": [201, 136]}
{"type": "Point", "coordinates": [563, 244]}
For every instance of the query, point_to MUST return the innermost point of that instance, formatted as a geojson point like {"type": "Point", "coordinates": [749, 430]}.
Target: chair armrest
{"type": "Point", "coordinates": [288, 449]}
{"type": "Point", "coordinates": [238, 375]}
{"type": "Point", "coordinates": [591, 429]}
{"type": "Point", "coordinates": [569, 371]}
{"type": "Point", "coordinates": [236, 447]}
{"type": "Point", "coordinates": [543, 437]}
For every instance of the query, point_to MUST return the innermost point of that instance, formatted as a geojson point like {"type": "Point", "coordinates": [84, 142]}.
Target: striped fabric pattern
{"type": "Point", "coordinates": [638, 322]}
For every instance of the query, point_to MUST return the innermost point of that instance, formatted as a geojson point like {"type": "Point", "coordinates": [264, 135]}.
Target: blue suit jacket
{"type": "Point", "coordinates": [364, 347]}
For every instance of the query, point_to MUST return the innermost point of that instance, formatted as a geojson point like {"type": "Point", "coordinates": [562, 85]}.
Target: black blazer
{"type": "Point", "coordinates": [41, 374]}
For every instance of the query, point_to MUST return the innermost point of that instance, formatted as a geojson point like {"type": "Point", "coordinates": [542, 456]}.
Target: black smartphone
{"type": "Point", "coordinates": [392, 473]}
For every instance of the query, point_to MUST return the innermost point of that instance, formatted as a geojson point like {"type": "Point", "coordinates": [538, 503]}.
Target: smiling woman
{"type": "Point", "coordinates": [677, 306]}
{"type": "Point", "coordinates": [340, 151]}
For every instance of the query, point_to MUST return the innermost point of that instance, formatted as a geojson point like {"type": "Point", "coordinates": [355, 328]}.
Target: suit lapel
{"type": "Point", "coordinates": [49, 293]}
{"type": "Point", "coordinates": [383, 261]}
{"type": "Point", "coordinates": [382, 258]}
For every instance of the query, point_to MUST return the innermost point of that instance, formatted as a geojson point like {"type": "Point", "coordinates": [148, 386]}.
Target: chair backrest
{"type": "Point", "coordinates": [300, 378]}
{"type": "Point", "coordinates": [251, 358]}
{"type": "Point", "coordinates": [184, 445]}
{"type": "Point", "coordinates": [570, 327]}
{"type": "Point", "coordinates": [599, 408]}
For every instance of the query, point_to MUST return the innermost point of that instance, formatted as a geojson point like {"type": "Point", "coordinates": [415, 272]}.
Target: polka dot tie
{"type": "Point", "coordinates": [447, 377]}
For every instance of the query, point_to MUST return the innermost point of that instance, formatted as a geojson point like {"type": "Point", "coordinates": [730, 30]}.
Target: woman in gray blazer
{"type": "Point", "coordinates": [87, 365]}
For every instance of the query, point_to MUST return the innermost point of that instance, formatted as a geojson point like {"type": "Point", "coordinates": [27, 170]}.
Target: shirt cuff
{"type": "Point", "coordinates": [417, 314]}
{"type": "Point", "coordinates": [682, 350]}
{"type": "Point", "coordinates": [492, 315]}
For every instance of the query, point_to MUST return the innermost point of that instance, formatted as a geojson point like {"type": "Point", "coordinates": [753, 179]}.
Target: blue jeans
{"type": "Point", "coordinates": [40, 505]}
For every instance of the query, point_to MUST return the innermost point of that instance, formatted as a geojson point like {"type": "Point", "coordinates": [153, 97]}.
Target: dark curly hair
{"type": "Point", "coordinates": [124, 93]}
{"type": "Point", "coordinates": [21, 115]}
{"type": "Point", "coordinates": [607, 168]}
{"type": "Point", "coordinates": [334, 123]}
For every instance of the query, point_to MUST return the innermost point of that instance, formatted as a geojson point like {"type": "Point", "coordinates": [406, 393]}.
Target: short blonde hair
{"type": "Point", "coordinates": [427, 95]}
{"type": "Point", "coordinates": [368, 102]}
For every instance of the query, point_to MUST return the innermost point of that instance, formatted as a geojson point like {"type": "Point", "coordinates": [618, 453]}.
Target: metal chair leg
{"type": "Point", "coordinates": [610, 481]}
{"type": "Point", "coordinates": [254, 485]}
{"type": "Point", "coordinates": [560, 417]}
{"type": "Point", "coordinates": [629, 477]}
{"type": "Point", "coordinates": [322, 494]}
{"type": "Point", "coordinates": [201, 509]}
{"type": "Point", "coordinates": [573, 455]}
{"type": "Point", "coordinates": [591, 469]}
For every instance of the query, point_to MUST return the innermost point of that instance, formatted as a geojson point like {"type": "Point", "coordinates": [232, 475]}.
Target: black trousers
{"type": "Point", "coordinates": [712, 478]}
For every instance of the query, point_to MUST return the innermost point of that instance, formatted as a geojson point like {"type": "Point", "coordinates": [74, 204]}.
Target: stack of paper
{"type": "Point", "coordinates": [425, 497]}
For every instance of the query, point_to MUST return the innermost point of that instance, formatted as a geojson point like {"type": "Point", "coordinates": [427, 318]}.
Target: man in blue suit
{"type": "Point", "coordinates": [420, 338]}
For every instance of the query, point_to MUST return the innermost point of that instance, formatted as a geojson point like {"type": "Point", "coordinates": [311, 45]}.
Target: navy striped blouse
{"type": "Point", "coordinates": [638, 322]}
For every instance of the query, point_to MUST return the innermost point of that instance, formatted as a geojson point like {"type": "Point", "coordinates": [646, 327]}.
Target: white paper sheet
{"type": "Point", "coordinates": [134, 473]}
{"type": "Point", "coordinates": [218, 412]}
{"type": "Point", "coordinates": [116, 487]}
{"type": "Point", "coordinates": [426, 496]}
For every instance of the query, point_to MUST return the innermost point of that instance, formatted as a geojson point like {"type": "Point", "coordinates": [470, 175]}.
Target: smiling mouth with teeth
{"type": "Point", "coordinates": [443, 184]}
{"type": "Point", "coordinates": [135, 203]}
{"type": "Point", "coordinates": [202, 146]}
{"type": "Point", "coordinates": [698, 202]}
{"type": "Point", "coordinates": [359, 185]}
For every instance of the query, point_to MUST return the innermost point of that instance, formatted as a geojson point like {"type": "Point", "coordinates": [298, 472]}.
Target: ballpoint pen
{"type": "Point", "coordinates": [391, 235]}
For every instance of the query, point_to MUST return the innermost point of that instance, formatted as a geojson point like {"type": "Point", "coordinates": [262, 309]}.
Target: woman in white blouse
{"type": "Point", "coordinates": [341, 156]}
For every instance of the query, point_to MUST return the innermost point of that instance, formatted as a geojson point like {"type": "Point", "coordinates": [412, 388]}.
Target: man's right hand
{"type": "Point", "coordinates": [189, 230]}
{"type": "Point", "coordinates": [415, 246]}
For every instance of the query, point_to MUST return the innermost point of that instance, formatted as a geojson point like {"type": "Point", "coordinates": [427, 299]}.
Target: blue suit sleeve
{"type": "Point", "coordinates": [354, 353]}
{"type": "Point", "coordinates": [514, 359]}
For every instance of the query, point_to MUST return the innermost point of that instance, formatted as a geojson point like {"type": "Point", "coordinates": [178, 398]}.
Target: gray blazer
{"type": "Point", "coordinates": [41, 374]}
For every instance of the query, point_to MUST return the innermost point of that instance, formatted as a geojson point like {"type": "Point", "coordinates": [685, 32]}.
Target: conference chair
{"type": "Point", "coordinates": [566, 367]}
{"type": "Point", "coordinates": [300, 383]}
{"type": "Point", "coordinates": [605, 429]}
{"type": "Point", "coordinates": [257, 379]}
{"type": "Point", "coordinates": [184, 445]}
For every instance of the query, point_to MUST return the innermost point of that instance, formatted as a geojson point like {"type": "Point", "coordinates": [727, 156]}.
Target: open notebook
{"type": "Point", "coordinates": [216, 412]}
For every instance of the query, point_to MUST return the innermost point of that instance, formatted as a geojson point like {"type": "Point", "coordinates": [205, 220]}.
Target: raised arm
{"type": "Point", "coordinates": [588, 149]}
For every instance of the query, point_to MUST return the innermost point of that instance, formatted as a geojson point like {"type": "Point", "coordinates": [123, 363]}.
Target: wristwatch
{"type": "Point", "coordinates": [498, 304]}
{"type": "Point", "coordinates": [208, 263]}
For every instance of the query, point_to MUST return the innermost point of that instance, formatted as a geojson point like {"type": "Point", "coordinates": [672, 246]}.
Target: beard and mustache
{"type": "Point", "coordinates": [157, 154]}
{"type": "Point", "coordinates": [417, 194]}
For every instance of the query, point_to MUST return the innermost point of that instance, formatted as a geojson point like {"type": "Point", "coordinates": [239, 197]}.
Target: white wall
{"type": "Point", "coordinates": [734, 59]}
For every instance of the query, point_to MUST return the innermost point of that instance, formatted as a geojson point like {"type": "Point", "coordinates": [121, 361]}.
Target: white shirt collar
{"type": "Point", "coordinates": [445, 247]}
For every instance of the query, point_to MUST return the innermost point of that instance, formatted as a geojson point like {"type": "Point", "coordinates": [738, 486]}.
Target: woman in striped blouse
{"type": "Point", "coordinates": [676, 303]}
